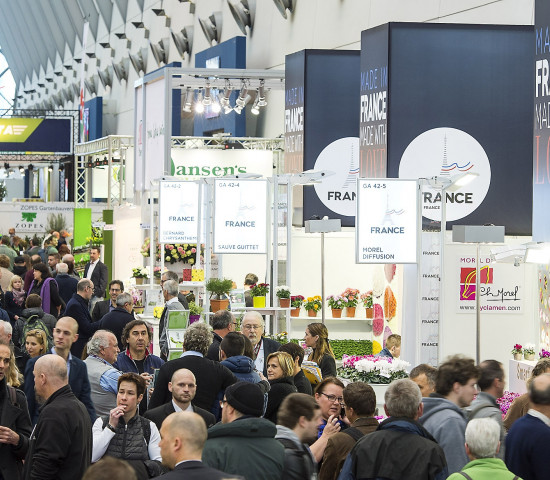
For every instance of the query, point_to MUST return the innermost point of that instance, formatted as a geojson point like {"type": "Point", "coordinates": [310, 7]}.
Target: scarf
{"type": "Point", "coordinates": [18, 296]}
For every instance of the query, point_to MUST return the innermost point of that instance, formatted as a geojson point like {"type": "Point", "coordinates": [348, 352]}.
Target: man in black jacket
{"type": "Point", "coordinates": [77, 308]}
{"type": "Point", "coordinates": [400, 447]}
{"type": "Point", "coordinates": [61, 443]}
{"type": "Point", "coordinates": [222, 322]}
{"type": "Point", "coordinates": [298, 419]}
{"type": "Point", "coordinates": [253, 328]}
{"type": "Point", "coordinates": [212, 378]}
{"type": "Point", "coordinates": [183, 387]}
{"type": "Point", "coordinates": [117, 319]}
{"type": "Point", "coordinates": [103, 307]}
{"type": "Point", "coordinates": [96, 271]}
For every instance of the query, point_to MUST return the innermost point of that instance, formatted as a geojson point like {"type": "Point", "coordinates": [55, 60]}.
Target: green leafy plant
{"type": "Point", "coordinates": [55, 222]}
{"type": "Point", "coordinates": [3, 191]}
{"type": "Point", "coordinates": [283, 291]}
{"type": "Point", "coordinates": [194, 309]}
{"type": "Point", "coordinates": [219, 287]}
{"type": "Point", "coordinates": [296, 301]}
{"type": "Point", "coordinates": [348, 347]}
{"type": "Point", "coordinates": [259, 289]}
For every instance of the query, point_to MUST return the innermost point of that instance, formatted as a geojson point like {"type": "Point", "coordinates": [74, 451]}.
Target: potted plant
{"type": "Point", "coordinates": [137, 299]}
{"type": "Point", "coordinates": [139, 273]}
{"type": "Point", "coordinates": [296, 301]}
{"type": "Point", "coordinates": [529, 351]}
{"type": "Point", "coordinates": [544, 353]}
{"type": "Point", "coordinates": [352, 297]}
{"type": "Point", "coordinates": [336, 303]}
{"type": "Point", "coordinates": [517, 351]}
{"type": "Point", "coordinates": [157, 273]}
{"type": "Point", "coordinates": [313, 305]}
{"type": "Point", "coordinates": [194, 312]}
{"type": "Point", "coordinates": [219, 288]}
{"type": "Point", "coordinates": [368, 303]}
{"type": "Point", "coordinates": [283, 294]}
{"type": "Point", "coordinates": [258, 291]}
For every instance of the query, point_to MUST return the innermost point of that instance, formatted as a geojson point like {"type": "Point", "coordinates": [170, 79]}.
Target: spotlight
{"type": "Point", "coordinates": [21, 169]}
{"type": "Point", "coordinates": [242, 96]}
{"type": "Point", "coordinates": [199, 105]}
{"type": "Point", "coordinates": [50, 169]}
{"type": "Point", "coordinates": [97, 162]}
{"type": "Point", "coordinates": [261, 95]}
{"type": "Point", "coordinates": [216, 107]}
{"type": "Point", "coordinates": [207, 98]}
{"type": "Point", "coordinates": [256, 106]}
{"type": "Point", "coordinates": [105, 160]}
{"type": "Point", "coordinates": [240, 105]}
{"type": "Point", "coordinates": [188, 100]}
{"type": "Point", "coordinates": [89, 163]}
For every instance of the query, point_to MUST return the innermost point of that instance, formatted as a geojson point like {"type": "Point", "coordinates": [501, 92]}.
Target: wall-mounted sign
{"type": "Point", "coordinates": [240, 216]}
{"type": "Point", "coordinates": [29, 135]}
{"type": "Point", "coordinates": [386, 222]}
{"type": "Point", "coordinates": [178, 212]}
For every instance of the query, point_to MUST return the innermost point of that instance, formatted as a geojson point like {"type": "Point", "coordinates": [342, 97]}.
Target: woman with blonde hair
{"type": "Point", "coordinates": [14, 298]}
{"type": "Point", "coordinates": [280, 374]}
{"type": "Point", "coordinates": [316, 337]}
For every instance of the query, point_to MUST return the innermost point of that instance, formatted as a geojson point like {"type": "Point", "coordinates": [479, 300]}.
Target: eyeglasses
{"type": "Point", "coordinates": [334, 398]}
{"type": "Point", "coordinates": [251, 327]}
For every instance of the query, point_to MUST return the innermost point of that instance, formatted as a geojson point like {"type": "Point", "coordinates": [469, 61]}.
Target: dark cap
{"type": "Point", "coordinates": [19, 259]}
{"type": "Point", "coordinates": [246, 398]}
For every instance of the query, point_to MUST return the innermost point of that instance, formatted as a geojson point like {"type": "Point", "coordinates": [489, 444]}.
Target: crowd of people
{"type": "Point", "coordinates": [83, 396]}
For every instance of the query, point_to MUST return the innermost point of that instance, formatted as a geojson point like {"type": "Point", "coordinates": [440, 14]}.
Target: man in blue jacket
{"type": "Point", "coordinates": [65, 334]}
{"type": "Point", "coordinates": [528, 439]}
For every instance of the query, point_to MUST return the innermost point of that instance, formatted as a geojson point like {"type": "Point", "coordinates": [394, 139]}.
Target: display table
{"type": "Point", "coordinates": [519, 372]}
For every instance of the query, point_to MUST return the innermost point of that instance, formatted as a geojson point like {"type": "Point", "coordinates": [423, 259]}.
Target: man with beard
{"type": "Point", "coordinates": [183, 387]}
{"type": "Point", "coordinates": [61, 443]}
{"type": "Point", "coordinates": [253, 327]}
{"type": "Point", "coordinates": [298, 419]}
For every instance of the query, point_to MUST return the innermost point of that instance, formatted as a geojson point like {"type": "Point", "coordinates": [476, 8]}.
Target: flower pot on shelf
{"type": "Point", "coordinates": [312, 313]}
{"type": "Point", "coordinates": [258, 302]}
{"type": "Point", "coordinates": [139, 310]}
{"type": "Point", "coordinates": [369, 312]}
{"type": "Point", "coordinates": [217, 305]}
{"type": "Point", "coordinates": [529, 356]}
{"type": "Point", "coordinates": [284, 302]}
{"type": "Point", "coordinates": [194, 318]}
{"type": "Point", "coordinates": [295, 312]}
{"type": "Point", "coordinates": [517, 356]}
{"type": "Point", "coordinates": [157, 280]}
{"type": "Point", "coordinates": [350, 311]}
{"type": "Point", "coordinates": [139, 280]}
{"type": "Point", "coordinates": [336, 313]}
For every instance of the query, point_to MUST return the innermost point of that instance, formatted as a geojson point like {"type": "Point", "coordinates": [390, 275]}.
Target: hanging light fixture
{"type": "Point", "coordinates": [188, 102]}
{"type": "Point", "coordinates": [199, 105]}
{"type": "Point", "coordinates": [255, 110]}
{"type": "Point", "coordinates": [207, 100]}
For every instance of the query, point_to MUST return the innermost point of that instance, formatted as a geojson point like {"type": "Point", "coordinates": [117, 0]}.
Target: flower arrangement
{"type": "Point", "coordinates": [352, 297]}
{"type": "Point", "coordinates": [137, 297]}
{"type": "Point", "coordinates": [518, 349]}
{"type": "Point", "coordinates": [145, 248]}
{"type": "Point", "coordinates": [157, 272]}
{"type": "Point", "coordinates": [314, 303]}
{"type": "Point", "coordinates": [366, 298]}
{"type": "Point", "coordinates": [281, 337]}
{"type": "Point", "coordinates": [184, 252]}
{"type": "Point", "coordinates": [544, 353]}
{"type": "Point", "coordinates": [296, 301]}
{"type": "Point", "coordinates": [336, 301]}
{"type": "Point", "coordinates": [506, 400]}
{"type": "Point", "coordinates": [259, 289]}
{"type": "Point", "coordinates": [157, 312]}
{"type": "Point", "coordinates": [140, 272]}
{"type": "Point", "coordinates": [371, 369]}
{"type": "Point", "coordinates": [283, 291]}
{"type": "Point", "coordinates": [529, 349]}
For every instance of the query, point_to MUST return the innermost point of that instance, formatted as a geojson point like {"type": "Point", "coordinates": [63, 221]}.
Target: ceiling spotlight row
{"type": "Point", "coordinates": [219, 100]}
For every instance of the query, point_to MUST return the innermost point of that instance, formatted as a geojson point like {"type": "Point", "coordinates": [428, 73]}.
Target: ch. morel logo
{"type": "Point", "coordinates": [28, 216]}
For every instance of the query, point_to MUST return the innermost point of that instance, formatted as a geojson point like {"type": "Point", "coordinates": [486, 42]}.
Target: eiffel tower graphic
{"type": "Point", "coordinates": [390, 212]}
{"type": "Point", "coordinates": [353, 172]}
{"type": "Point", "coordinates": [446, 168]}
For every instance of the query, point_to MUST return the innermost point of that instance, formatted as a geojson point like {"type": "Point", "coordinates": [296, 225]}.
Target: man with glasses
{"type": "Point", "coordinates": [253, 327]}
{"type": "Point", "coordinates": [103, 307]}
{"type": "Point", "coordinates": [222, 322]}
{"type": "Point", "coordinates": [78, 309]}
{"type": "Point", "coordinates": [119, 317]}
{"type": "Point", "coordinates": [443, 417]}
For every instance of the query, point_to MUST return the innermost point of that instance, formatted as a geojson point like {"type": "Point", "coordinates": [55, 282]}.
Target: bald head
{"type": "Point", "coordinates": [539, 390]}
{"type": "Point", "coordinates": [68, 322]}
{"type": "Point", "coordinates": [182, 373]}
{"type": "Point", "coordinates": [183, 437]}
{"type": "Point", "coordinates": [50, 374]}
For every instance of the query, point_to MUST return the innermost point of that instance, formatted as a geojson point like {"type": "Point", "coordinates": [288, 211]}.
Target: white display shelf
{"type": "Point", "coordinates": [192, 284]}
{"type": "Point", "coordinates": [332, 319]}
{"type": "Point", "coordinates": [148, 286]}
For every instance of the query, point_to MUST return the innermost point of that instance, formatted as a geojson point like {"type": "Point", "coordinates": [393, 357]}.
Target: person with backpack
{"type": "Point", "coordinates": [33, 317]}
{"type": "Point", "coordinates": [125, 434]}
{"type": "Point", "coordinates": [360, 407]}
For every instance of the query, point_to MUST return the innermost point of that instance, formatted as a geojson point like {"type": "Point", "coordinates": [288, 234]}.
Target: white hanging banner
{"type": "Point", "coordinates": [240, 223]}
{"type": "Point", "coordinates": [178, 211]}
{"type": "Point", "coordinates": [386, 221]}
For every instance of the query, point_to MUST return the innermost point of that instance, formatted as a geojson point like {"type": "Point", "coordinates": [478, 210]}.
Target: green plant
{"type": "Point", "coordinates": [314, 303]}
{"type": "Point", "coordinates": [283, 291]}
{"type": "Point", "coordinates": [218, 287]}
{"type": "Point", "coordinates": [194, 309]}
{"type": "Point", "coordinates": [259, 289]}
{"type": "Point", "coordinates": [3, 191]}
{"type": "Point", "coordinates": [348, 347]}
{"type": "Point", "coordinates": [336, 301]}
{"type": "Point", "coordinates": [56, 222]}
{"type": "Point", "coordinates": [296, 301]}
{"type": "Point", "coordinates": [140, 272]}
